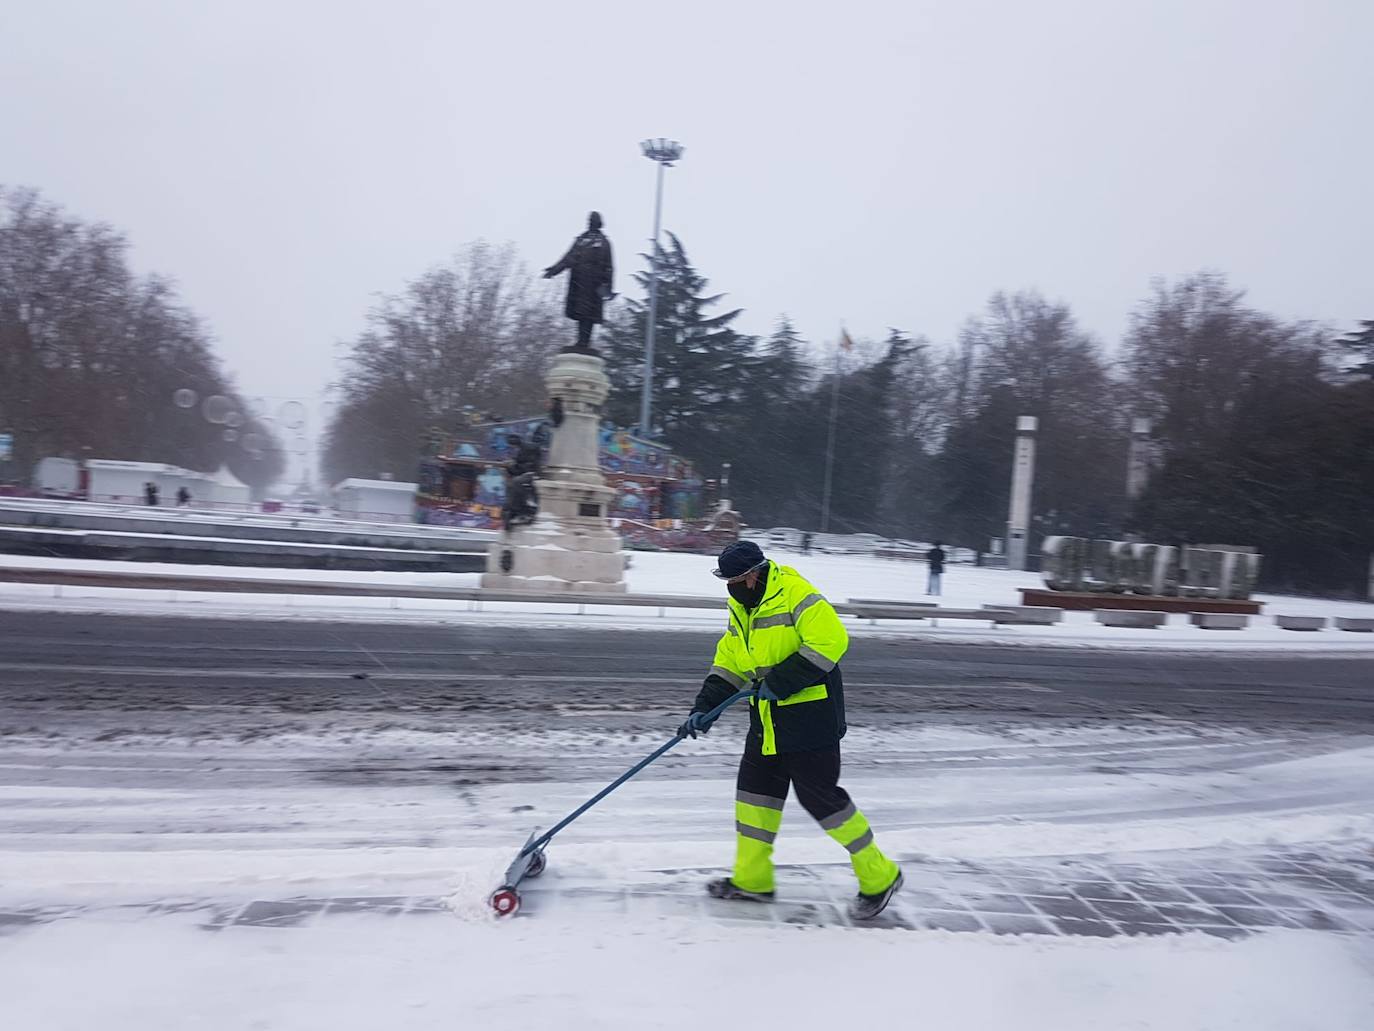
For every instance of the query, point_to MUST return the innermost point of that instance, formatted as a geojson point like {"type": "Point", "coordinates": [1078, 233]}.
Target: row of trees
{"type": "Point", "coordinates": [1262, 428]}
{"type": "Point", "coordinates": [91, 355]}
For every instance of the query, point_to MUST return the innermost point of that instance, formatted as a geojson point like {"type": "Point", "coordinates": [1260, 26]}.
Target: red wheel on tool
{"type": "Point", "coordinates": [506, 901]}
{"type": "Point", "coordinates": [537, 864]}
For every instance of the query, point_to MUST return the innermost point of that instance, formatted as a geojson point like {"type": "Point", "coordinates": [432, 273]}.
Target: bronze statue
{"type": "Point", "coordinates": [589, 285]}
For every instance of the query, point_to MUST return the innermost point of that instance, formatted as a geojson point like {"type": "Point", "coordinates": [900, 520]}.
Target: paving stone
{"type": "Point", "coordinates": [994, 903]}
{"type": "Point", "coordinates": [1254, 916]}
{"type": "Point", "coordinates": [810, 913]}
{"type": "Point", "coordinates": [1084, 928]}
{"type": "Point", "coordinates": [1200, 879]}
{"type": "Point", "coordinates": [1278, 900]}
{"type": "Point", "coordinates": [1188, 916]}
{"type": "Point", "coordinates": [1134, 928]}
{"type": "Point", "coordinates": [1224, 896]}
{"type": "Point", "coordinates": [387, 905]}
{"type": "Point", "coordinates": [437, 905]}
{"type": "Point", "coordinates": [1011, 923]}
{"type": "Point", "coordinates": [1120, 911]}
{"type": "Point", "coordinates": [1229, 933]}
{"type": "Point", "coordinates": [1071, 909]}
{"type": "Point", "coordinates": [1102, 890]}
{"type": "Point", "coordinates": [1151, 892]}
{"type": "Point", "coordinates": [1349, 881]}
{"type": "Point", "coordinates": [1281, 866]}
{"type": "Point", "coordinates": [1030, 886]}
{"type": "Point", "coordinates": [753, 912]}
{"type": "Point", "coordinates": [929, 899]}
{"type": "Point", "coordinates": [1131, 872]}
{"type": "Point", "coordinates": [1319, 920]}
{"type": "Point", "coordinates": [948, 921]}
{"type": "Point", "coordinates": [277, 914]}
{"type": "Point", "coordinates": [892, 921]}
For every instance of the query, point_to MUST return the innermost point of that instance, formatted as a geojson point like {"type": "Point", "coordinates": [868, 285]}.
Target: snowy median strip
{"type": "Point", "coordinates": [667, 592]}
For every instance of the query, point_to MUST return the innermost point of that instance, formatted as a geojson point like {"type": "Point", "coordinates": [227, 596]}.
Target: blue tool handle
{"type": "Point", "coordinates": [547, 836]}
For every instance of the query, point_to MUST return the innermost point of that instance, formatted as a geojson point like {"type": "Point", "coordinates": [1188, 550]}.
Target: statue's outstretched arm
{"type": "Point", "coordinates": [562, 265]}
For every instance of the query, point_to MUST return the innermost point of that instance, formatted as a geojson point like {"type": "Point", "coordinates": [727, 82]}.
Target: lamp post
{"type": "Point", "coordinates": [663, 153]}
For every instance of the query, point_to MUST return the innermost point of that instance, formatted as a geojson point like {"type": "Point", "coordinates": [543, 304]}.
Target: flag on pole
{"type": "Point", "coordinates": [846, 344]}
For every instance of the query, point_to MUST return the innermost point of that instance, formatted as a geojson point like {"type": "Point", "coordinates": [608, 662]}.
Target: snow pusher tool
{"type": "Point", "coordinates": [531, 862]}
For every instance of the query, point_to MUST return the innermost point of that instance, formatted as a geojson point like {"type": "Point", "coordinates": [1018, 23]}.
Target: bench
{"type": "Point", "coordinates": [1355, 624]}
{"type": "Point", "coordinates": [1300, 622]}
{"type": "Point", "coordinates": [1219, 620]}
{"type": "Point", "coordinates": [1028, 615]}
{"type": "Point", "coordinates": [1141, 618]}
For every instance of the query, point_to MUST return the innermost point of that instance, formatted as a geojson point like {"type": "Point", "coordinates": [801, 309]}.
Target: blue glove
{"type": "Point", "coordinates": [766, 693]}
{"type": "Point", "coordinates": [697, 723]}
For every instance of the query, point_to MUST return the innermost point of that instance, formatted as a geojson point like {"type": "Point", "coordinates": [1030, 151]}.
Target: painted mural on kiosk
{"type": "Point", "coordinates": [659, 499]}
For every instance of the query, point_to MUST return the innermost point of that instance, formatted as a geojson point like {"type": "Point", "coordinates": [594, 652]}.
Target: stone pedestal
{"type": "Point", "coordinates": [570, 546]}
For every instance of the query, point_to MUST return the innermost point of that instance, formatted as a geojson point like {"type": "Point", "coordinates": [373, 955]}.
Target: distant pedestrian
{"type": "Point", "coordinates": [150, 493]}
{"type": "Point", "coordinates": [806, 543]}
{"type": "Point", "coordinates": [935, 560]}
{"type": "Point", "coordinates": [183, 497]}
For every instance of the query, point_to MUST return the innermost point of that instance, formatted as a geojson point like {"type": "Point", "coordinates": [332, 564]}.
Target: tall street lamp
{"type": "Point", "coordinates": [663, 153]}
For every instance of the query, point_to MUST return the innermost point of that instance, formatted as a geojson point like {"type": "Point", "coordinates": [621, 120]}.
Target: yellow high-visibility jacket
{"type": "Point", "coordinates": [793, 641]}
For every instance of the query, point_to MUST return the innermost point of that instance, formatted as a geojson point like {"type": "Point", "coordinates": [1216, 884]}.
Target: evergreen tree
{"type": "Point", "coordinates": [705, 371]}
{"type": "Point", "coordinates": [762, 453]}
{"type": "Point", "coordinates": [1361, 343]}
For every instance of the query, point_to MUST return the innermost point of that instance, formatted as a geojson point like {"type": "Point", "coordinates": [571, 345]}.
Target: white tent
{"type": "Point", "coordinates": [375, 499]}
{"type": "Point", "coordinates": [122, 482]}
{"type": "Point", "coordinates": [228, 489]}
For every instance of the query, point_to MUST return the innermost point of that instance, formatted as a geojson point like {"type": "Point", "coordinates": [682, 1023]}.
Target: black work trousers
{"type": "Point", "coordinates": [815, 775]}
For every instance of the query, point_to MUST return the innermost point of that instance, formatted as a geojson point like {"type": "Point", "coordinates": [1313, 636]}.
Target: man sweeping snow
{"type": "Point", "coordinates": [783, 633]}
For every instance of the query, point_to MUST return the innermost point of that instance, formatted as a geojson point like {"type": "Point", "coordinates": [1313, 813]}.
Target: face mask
{"type": "Point", "coordinates": [746, 597]}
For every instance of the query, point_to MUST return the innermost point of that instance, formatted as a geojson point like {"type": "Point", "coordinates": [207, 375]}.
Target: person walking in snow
{"type": "Point", "coordinates": [935, 562]}
{"type": "Point", "coordinates": [784, 635]}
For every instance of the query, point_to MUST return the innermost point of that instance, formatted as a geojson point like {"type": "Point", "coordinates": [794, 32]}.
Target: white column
{"type": "Point", "coordinates": [1022, 476]}
{"type": "Point", "coordinates": [1138, 458]}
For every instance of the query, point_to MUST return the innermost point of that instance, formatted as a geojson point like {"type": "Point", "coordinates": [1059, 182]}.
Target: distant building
{"type": "Point", "coordinates": [386, 500]}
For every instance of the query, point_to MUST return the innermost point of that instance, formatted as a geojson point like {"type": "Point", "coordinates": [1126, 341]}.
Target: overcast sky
{"type": "Point", "coordinates": [880, 164]}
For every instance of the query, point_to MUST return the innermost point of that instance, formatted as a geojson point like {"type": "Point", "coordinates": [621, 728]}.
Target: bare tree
{"type": "Point", "coordinates": [470, 336]}
{"type": "Point", "coordinates": [91, 356]}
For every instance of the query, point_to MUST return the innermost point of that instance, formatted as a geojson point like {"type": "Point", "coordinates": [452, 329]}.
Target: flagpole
{"type": "Point", "coordinates": [830, 441]}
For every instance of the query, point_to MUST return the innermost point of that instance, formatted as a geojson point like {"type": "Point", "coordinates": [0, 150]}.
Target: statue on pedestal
{"type": "Point", "coordinates": [589, 284]}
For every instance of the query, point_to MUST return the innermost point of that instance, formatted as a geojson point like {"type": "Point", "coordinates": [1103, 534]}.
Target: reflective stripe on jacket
{"type": "Point", "coordinates": [793, 640]}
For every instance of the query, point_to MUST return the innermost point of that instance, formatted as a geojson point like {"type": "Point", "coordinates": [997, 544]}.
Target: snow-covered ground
{"type": "Point", "coordinates": [367, 971]}
{"type": "Point", "coordinates": [298, 883]}
{"type": "Point", "coordinates": [840, 577]}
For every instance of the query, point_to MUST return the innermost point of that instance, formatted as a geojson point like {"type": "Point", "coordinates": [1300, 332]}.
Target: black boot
{"type": "Point", "coordinates": [866, 907]}
{"type": "Point", "coordinates": [724, 888]}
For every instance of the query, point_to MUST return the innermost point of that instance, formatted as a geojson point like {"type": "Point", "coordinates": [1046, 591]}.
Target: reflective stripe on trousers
{"type": "Point", "coordinates": [850, 828]}
{"type": "Point", "coordinates": [757, 819]}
